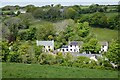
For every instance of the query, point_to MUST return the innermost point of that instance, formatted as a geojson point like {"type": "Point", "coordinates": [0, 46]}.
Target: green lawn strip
{"type": "Point", "coordinates": [19, 70]}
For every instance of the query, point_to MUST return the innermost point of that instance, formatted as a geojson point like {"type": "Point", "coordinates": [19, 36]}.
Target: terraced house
{"type": "Point", "coordinates": [73, 46]}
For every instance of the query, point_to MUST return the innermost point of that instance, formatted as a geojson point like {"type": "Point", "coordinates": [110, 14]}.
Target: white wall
{"type": "Point", "coordinates": [65, 50]}
{"type": "Point", "coordinates": [48, 47]}
{"type": "Point", "coordinates": [104, 48]}
{"type": "Point", "coordinates": [73, 48]}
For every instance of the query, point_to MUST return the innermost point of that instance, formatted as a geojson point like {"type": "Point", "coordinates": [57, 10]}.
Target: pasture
{"type": "Point", "coordinates": [20, 70]}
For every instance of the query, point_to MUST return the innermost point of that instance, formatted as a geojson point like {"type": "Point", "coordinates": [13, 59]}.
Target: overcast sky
{"type": "Point", "coordinates": [63, 2]}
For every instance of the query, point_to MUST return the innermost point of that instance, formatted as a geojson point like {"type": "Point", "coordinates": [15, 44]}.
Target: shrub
{"type": "Point", "coordinates": [59, 58]}
{"type": "Point", "coordinates": [14, 57]}
{"type": "Point", "coordinates": [4, 50]}
{"type": "Point", "coordinates": [45, 58]}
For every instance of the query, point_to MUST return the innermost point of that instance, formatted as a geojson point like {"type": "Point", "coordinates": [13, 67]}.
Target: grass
{"type": "Point", "coordinates": [103, 34]}
{"type": "Point", "coordinates": [19, 70]}
{"type": "Point", "coordinates": [111, 14]}
{"type": "Point", "coordinates": [107, 14]}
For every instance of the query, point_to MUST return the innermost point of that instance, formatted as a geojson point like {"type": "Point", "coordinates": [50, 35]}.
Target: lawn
{"type": "Point", "coordinates": [103, 34]}
{"type": "Point", "coordinates": [19, 70]}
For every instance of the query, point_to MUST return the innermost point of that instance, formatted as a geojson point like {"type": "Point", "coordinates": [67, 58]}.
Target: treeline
{"type": "Point", "coordinates": [54, 13]}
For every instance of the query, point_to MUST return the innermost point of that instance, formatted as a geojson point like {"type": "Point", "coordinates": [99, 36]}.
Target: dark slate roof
{"type": "Point", "coordinates": [65, 46]}
{"type": "Point", "coordinates": [74, 43]}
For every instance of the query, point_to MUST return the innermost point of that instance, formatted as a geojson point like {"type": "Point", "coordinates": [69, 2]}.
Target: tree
{"type": "Point", "coordinates": [38, 51]}
{"type": "Point", "coordinates": [39, 13]}
{"type": "Point", "coordinates": [113, 22]}
{"type": "Point", "coordinates": [91, 46]}
{"type": "Point", "coordinates": [69, 33]}
{"type": "Point", "coordinates": [26, 19]}
{"type": "Point", "coordinates": [82, 29]}
{"type": "Point", "coordinates": [96, 8]}
{"type": "Point", "coordinates": [26, 52]}
{"type": "Point", "coordinates": [31, 34]}
{"type": "Point", "coordinates": [98, 19]}
{"type": "Point", "coordinates": [53, 13]}
{"type": "Point", "coordinates": [11, 8]}
{"type": "Point", "coordinates": [4, 50]}
{"type": "Point", "coordinates": [69, 13]}
{"type": "Point", "coordinates": [113, 53]}
{"type": "Point", "coordinates": [4, 31]}
{"type": "Point", "coordinates": [30, 8]}
{"type": "Point", "coordinates": [13, 24]}
{"type": "Point", "coordinates": [43, 30]}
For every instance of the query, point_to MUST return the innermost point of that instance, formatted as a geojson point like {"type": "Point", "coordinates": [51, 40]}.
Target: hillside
{"type": "Point", "coordinates": [103, 34]}
{"type": "Point", "coordinates": [17, 70]}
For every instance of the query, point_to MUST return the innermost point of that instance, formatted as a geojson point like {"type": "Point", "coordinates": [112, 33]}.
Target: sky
{"type": "Point", "coordinates": [62, 2]}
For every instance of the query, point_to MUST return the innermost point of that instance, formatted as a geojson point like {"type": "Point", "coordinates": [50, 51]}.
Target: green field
{"type": "Point", "coordinates": [103, 34]}
{"type": "Point", "coordinates": [19, 70]}
{"type": "Point", "coordinates": [107, 14]}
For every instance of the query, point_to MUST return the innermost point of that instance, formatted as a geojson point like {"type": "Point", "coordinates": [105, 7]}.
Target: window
{"type": "Point", "coordinates": [48, 46]}
{"type": "Point", "coordinates": [63, 50]}
{"type": "Point", "coordinates": [70, 49]}
{"type": "Point", "coordinates": [48, 49]}
{"type": "Point", "coordinates": [66, 49]}
{"type": "Point", "coordinates": [74, 50]}
{"type": "Point", "coordinates": [44, 46]}
{"type": "Point", "coordinates": [70, 45]}
{"type": "Point", "coordinates": [75, 45]}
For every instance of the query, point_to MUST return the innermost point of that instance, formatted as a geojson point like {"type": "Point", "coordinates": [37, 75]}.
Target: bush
{"type": "Point", "coordinates": [4, 50]}
{"type": "Point", "coordinates": [59, 58]}
{"type": "Point", "coordinates": [45, 58]}
{"type": "Point", "coordinates": [14, 57]}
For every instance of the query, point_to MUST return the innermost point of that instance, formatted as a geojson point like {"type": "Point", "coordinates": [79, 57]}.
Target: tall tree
{"type": "Point", "coordinates": [70, 13]}
{"type": "Point", "coordinates": [26, 19]}
{"type": "Point", "coordinates": [13, 24]}
{"type": "Point", "coordinates": [82, 29]}
{"type": "Point", "coordinates": [44, 30]}
{"type": "Point", "coordinates": [53, 13]}
{"type": "Point", "coordinates": [98, 19]}
{"type": "Point", "coordinates": [91, 46]}
{"type": "Point", "coordinates": [113, 53]}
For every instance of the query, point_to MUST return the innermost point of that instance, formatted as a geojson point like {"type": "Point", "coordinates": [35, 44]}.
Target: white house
{"type": "Point", "coordinates": [104, 46]}
{"type": "Point", "coordinates": [73, 46]}
{"type": "Point", "coordinates": [21, 11]}
{"type": "Point", "coordinates": [48, 45]}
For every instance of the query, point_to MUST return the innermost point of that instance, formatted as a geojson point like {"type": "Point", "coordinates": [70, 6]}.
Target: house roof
{"type": "Point", "coordinates": [65, 46]}
{"type": "Point", "coordinates": [75, 42]}
{"type": "Point", "coordinates": [103, 43]}
{"type": "Point", "coordinates": [45, 43]}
